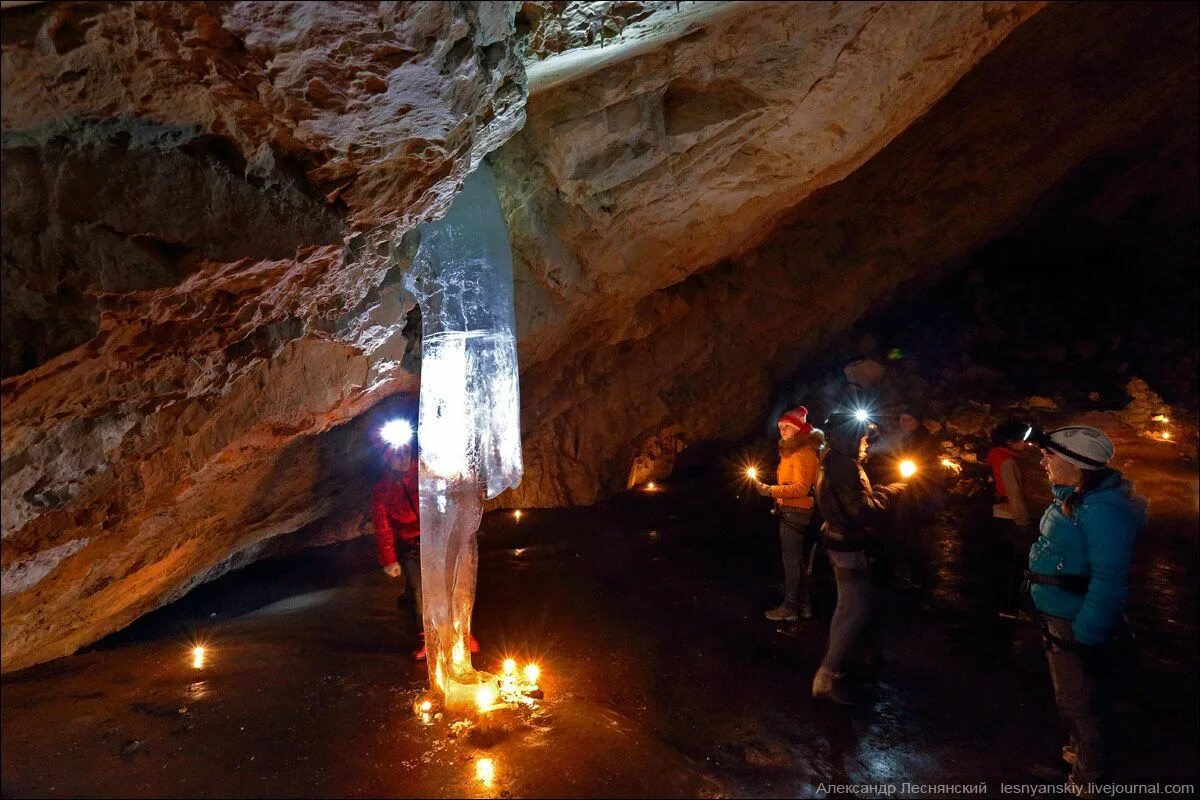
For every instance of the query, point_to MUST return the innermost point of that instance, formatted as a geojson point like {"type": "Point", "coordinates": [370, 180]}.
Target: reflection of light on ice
{"type": "Point", "coordinates": [459, 654]}
{"type": "Point", "coordinates": [485, 771]}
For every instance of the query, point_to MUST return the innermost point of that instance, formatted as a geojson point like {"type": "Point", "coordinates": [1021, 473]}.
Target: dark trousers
{"type": "Point", "coordinates": [1083, 693]}
{"type": "Point", "coordinates": [410, 564]}
{"type": "Point", "coordinates": [793, 529]}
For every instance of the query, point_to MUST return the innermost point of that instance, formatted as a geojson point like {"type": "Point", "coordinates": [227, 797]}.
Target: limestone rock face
{"type": "Point", "coordinates": [201, 211]}
{"type": "Point", "coordinates": [651, 353]}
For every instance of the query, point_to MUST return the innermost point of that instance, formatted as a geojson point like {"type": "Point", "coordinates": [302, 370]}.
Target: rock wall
{"type": "Point", "coordinates": [699, 359]}
{"type": "Point", "coordinates": [199, 208]}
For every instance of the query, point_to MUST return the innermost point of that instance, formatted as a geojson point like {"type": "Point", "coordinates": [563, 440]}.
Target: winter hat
{"type": "Point", "coordinates": [797, 417]}
{"type": "Point", "coordinates": [1082, 445]}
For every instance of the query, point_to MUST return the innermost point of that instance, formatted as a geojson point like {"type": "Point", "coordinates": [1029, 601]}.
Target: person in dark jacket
{"type": "Point", "coordinates": [1079, 578]}
{"type": "Point", "coordinates": [850, 506]}
{"type": "Point", "coordinates": [912, 566]}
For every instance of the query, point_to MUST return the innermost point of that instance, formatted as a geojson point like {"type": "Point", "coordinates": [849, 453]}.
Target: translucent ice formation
{"type": "Point", "coordinates": [469, 425]}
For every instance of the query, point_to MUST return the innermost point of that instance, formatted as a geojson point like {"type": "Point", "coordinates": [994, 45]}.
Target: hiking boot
{"type": "Point", "coordinates": [783, 614]}
{"type": "Point", "coordinates": [825, 687]}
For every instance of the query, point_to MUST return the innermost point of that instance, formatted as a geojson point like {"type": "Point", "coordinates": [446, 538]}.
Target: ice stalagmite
{"type": "Point", "coordinates": [469, 426]}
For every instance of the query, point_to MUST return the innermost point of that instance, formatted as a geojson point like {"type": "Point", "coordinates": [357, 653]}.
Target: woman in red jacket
{"type": "Point", "coordinates": [395, 510]}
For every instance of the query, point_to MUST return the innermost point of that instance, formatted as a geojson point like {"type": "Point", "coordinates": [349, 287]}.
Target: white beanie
{"type": "Point", "coordinates": [1082, 445]}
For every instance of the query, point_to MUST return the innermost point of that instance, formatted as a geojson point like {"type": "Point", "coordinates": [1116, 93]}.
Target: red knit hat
{"type": "Point", "coordinates": [797, 417]}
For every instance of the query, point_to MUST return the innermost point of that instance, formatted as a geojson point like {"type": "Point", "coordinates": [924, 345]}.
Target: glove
{"type": "Point", "coordinates": [392, 570]}
{"type": "Point", "coordinates": [762, 489]}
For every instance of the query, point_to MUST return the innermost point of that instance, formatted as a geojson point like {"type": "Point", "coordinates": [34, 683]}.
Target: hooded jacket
{"type": "Point", "coordinates": [845, 496]}
{"type": "Point", "coordinates": [799, 463]}
{"type": "Point", "coordinates": [1095, 541]}
{"type": "Point", "coordinates": [395, 510]}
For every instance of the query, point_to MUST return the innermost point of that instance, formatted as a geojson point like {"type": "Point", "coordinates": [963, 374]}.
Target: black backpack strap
{"type": "Point", "coordinates": [1076, 584]}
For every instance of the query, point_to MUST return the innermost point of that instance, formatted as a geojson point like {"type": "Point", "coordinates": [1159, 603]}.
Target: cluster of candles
{"type": "Point", "coordinates": [510, 687]}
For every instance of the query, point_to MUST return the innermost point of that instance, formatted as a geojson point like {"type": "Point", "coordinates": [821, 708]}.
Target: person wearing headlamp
{"type": "Point", "coordinates": [396, 515]}
{"type": "Point", "coordinates": [1078, 579]}
{"type": "Point", "coordinates": [851, 507]}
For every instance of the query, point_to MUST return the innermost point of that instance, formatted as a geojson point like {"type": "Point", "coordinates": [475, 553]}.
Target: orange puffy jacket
{"type": "Point", "coordinates": [799, 462]}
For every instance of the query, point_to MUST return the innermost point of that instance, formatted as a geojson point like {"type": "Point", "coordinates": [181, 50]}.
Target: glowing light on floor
{"type": "Point", "coordinates": [485, 771]}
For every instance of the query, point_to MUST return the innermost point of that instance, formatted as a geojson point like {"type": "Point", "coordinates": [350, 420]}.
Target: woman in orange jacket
{"type": "Point", "coordinates": [799, 461]}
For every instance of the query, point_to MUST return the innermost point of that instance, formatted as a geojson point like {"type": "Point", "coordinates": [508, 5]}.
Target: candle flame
{"type": "Point", "coordinates": [651, 486]}
{"type": "Point", "coordinates": [510, 666]}
{"type": "Point", "coordinates": [198, 657]}
{"type": "Point", "coordinates": [1166, 436]}
{"type": "Point", "coordinates": [517, 515]}
{"type": "Point", "coordinates": [485, 771]}
{"type": "Point", "coordinates": [485, 697]}
{"type": "Point", "coordinates": [532, 673]}
{"type": "Point", "coordinates": [907, 468]}
{"type": "Point", "coordinates": [427, 706]}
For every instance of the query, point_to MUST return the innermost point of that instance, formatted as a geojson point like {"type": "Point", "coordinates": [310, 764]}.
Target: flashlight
{"type": "Point", "coordinates": [861, 415]}
{"type": "Point", "coordinates": [907, 468]}
{"type": "Point", "coordinates": [396, 432]}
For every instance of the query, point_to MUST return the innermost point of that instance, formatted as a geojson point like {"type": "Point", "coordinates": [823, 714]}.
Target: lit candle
{"type": "Point", "coordinates": [1166, 436]}
{"type": "Point", "coordinates": [197, 657]}
{"type": "Point", "coordinates": [907, 468]}
{"type": "Point", "coordinates": [532, 673]}
{"type": "Point", "coordinates": [752, 473]}
{"type": "Point", "coordinates": [485, 697]}
{"type": "Point", "coordinates": [651, 486]}
{"type": "Point", "coordinates": [510, 666]}
{"type": "Point", "coordinates": [517, 515]}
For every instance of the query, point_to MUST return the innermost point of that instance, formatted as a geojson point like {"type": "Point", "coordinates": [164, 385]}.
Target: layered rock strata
{"type": "Point", "coordinates": [200, 205]}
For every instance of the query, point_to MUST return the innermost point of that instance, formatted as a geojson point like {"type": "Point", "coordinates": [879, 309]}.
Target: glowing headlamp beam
{"type": "Point", "coordinates": [396, 432]}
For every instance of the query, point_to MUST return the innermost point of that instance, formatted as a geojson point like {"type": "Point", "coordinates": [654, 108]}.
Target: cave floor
{"type": "Point", "coordinates": [662, 677]}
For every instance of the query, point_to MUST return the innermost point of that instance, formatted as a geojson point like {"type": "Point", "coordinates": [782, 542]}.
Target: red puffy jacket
{"type": "Point", "coordinates": [395, 510]}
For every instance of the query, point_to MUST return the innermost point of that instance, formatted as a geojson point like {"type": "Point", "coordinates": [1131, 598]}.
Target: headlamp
{"type": "Point", "coordinates": [396, 433]}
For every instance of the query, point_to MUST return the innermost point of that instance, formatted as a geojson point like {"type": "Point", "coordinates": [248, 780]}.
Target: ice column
{"type": "Point", "coordinates": [469, 425]}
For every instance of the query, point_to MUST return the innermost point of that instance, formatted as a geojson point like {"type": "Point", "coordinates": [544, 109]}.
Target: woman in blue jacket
{"type": "Point", "coordinates": [1078, 579]}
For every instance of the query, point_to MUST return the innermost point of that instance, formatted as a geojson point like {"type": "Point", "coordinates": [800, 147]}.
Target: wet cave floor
{"type": "Point", "coordinates": [662, 677]}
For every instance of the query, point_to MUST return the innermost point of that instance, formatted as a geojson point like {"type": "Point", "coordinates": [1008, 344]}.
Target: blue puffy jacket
{"type": "Point", "coordinates": [1095, 541]}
